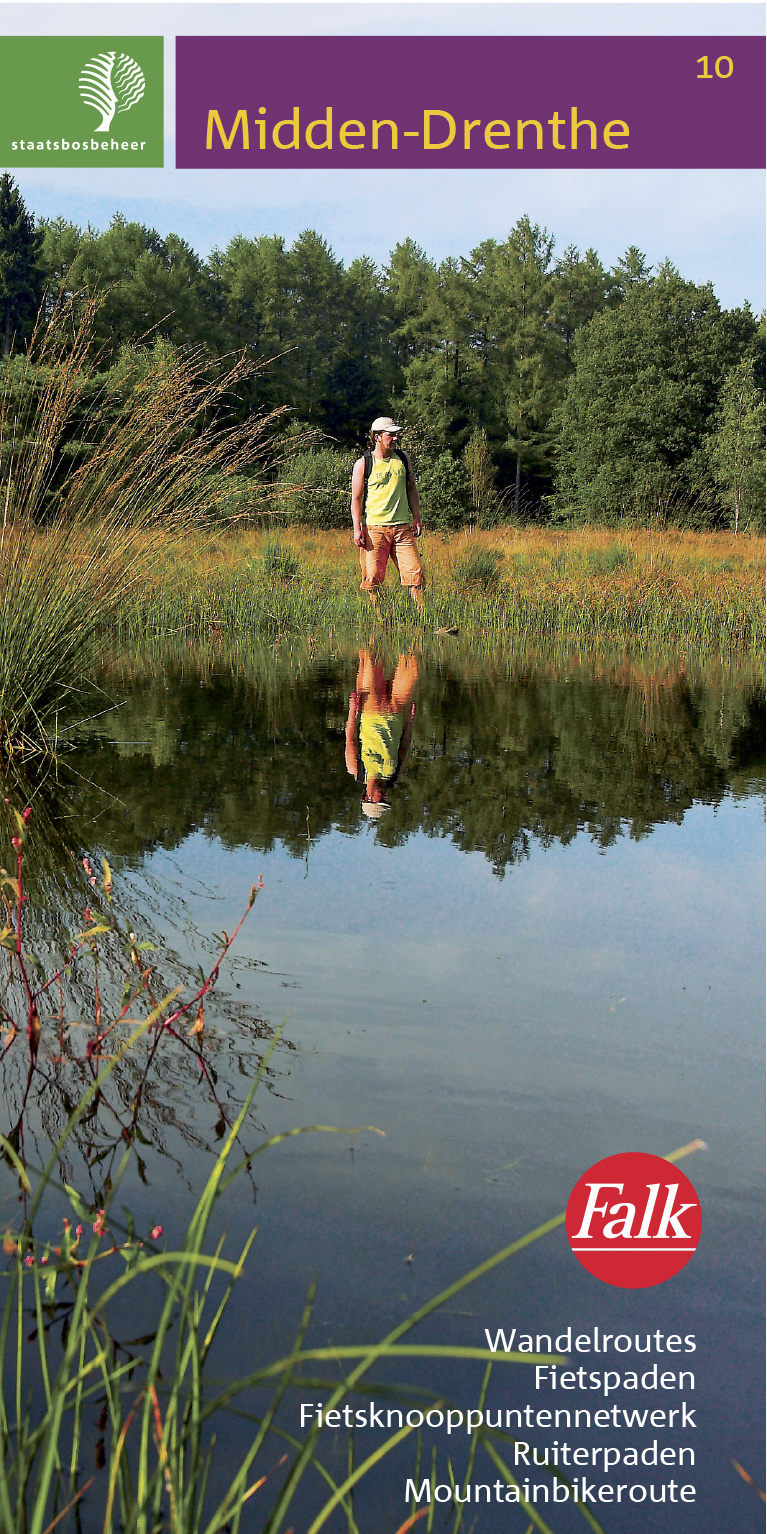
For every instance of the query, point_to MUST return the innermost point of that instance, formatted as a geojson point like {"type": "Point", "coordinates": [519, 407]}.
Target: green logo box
{"type": "Point", "coordinates": [84, 101]}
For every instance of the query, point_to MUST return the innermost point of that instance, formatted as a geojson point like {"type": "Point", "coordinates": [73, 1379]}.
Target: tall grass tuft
{"type": "Point", "coordinates": [476, 568]}
{"type": "Point", "coordinates": [279, 564]}
{"type": "Point", "coordinates": [159, 450]}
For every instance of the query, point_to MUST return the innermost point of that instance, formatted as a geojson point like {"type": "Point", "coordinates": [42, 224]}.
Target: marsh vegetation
{"type": "Point", "coordinates": [179, 622]}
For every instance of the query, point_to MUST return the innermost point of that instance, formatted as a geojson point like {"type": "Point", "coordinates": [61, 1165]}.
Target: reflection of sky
{"type": "Point", "coordinates": [666, 931]}
{"type": "Point", "coordinates": [710, 223]}
{"type": "Point", "coordinates": [506, 1034]}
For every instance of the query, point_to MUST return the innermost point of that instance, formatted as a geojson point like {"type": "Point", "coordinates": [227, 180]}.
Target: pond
{"type": "Point", "coordinates": [510, 917]}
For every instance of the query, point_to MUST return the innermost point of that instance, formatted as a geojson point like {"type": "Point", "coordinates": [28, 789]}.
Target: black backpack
{"type": "Point", "coordinates": [368, 458]}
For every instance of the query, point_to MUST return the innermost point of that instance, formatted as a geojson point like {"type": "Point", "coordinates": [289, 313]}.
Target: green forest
{"type": "Point", "coordinates": [533, 385]}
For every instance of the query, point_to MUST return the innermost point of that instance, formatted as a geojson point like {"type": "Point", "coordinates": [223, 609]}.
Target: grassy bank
{"type": "Point", "coordinates": [701, 589]}
{"type": "Point", "coordinates": [82, 588]}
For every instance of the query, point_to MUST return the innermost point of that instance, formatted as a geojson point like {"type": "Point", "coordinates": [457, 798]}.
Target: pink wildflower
{"type": "Point", "coordinates": [99, 1223]}
{"type": "Point", "coordinates": [28, 1260]}
{"type": "Point", "coordinates": [156, 1232]}
{"type": "Point", "coordinates": [25, 814]}
{"type": "Point", "coordinates": [79, 1230]}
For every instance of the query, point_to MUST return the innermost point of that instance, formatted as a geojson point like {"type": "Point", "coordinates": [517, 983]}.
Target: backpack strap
{"type": "Point", "coordinates": [368, 462]}
{"type": "Point", "coordinates": [403, 459]}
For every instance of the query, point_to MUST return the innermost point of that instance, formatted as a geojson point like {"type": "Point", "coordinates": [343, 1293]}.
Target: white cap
{"type": "Point", "coordinates": [385, 423]}
{"type": "Point", "coordinates": [375, 809]}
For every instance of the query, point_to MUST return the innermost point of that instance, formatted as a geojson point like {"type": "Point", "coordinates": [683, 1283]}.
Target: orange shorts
{"type": "Point", "coordinates": [395, 542]}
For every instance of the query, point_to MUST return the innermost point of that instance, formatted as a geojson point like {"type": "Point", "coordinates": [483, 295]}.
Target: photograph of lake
{"type": "Point", "coordinates": [382, 735]}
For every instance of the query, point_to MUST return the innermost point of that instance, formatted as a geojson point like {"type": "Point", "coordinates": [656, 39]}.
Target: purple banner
{"type": "Point", "coordinates": [477, 102]}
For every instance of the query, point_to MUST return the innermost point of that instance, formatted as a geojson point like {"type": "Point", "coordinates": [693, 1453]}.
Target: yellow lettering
{"type": "Point", "coordinates": [325, 122]}
{"type": "Point", "coordinates": [497, 129]}
{"type": "Point", "coordinates": [616, 129]}
{"type": "Point", "coordinates": [240, 120]}
{"type": "Point", "coordinates": [555, 123]}
{"type": "Point", "coordinates": [467, 127]}
{"type": "Point", "coordinates": [287, 122]}
{"type": "Point", "coordinates": [261, 128]}
{"type": "Point", "coordinates": [531, 123]}
{"type": "Point", "coordinates": [575, 125]}
{"type": "Point", "coordinates": [427, 140]}
{"type": "Point", "coordinates": [385, 123]}
{"type": "Point", "coordinates": [352, 129]}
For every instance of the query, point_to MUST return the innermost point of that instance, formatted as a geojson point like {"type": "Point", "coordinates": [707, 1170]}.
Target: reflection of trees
{"type": "Point", "coordinates": [503, 755]}
{"type": "Point", "coordinates": [499, 758]}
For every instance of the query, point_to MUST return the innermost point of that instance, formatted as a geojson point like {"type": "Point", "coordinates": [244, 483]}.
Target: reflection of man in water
{"type": "Point", "coordinates": [379, 728]}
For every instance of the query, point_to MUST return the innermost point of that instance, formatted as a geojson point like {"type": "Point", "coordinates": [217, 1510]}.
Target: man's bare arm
{"type": "Point", "coordinates": [412, 498]}
{"type": "Point", "coordinates": [352, 725]}
{"type": "Point", "coordinates": [407, 734]}
{"type": "Point", "coordinates": [358, 492]}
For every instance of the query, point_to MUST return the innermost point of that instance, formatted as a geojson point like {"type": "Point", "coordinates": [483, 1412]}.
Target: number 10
{"type": "Point", "coordinates": [723, 68]}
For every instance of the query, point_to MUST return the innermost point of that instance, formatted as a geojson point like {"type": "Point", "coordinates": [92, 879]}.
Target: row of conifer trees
{"type": "Point", "coordinates": [534, 384]}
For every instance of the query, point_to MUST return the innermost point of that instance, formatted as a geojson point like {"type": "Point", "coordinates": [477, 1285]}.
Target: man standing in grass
{"type": "Point", "coordinates": [386, 513]}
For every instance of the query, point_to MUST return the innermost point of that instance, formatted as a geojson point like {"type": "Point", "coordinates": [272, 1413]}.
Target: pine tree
{"type": "Point", "coordinates": [481, 471]}
{"type": "Point", "coordinates": [528, 351]}
{"type": "Point", "coordinates": [21, 279]}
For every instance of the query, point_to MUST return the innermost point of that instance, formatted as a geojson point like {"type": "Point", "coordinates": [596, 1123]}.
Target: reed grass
{"type": "Point", "coordinates": [161, 1403]}
{"type": "Point", "coordinates": [159, 447]}
{"type": "Point", "coordinates": [702, 590]}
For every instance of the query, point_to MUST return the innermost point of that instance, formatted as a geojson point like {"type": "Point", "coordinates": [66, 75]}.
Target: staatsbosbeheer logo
{"type": "Point", "coordinates": [96, 102]}
{"type": "Point", "coordinates": [633, 1220]}
{"type": "Point", "coordinates": [111, 83]}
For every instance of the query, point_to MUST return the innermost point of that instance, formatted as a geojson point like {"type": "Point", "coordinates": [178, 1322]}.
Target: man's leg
{"type": "Point", "coordinates": [373, 558]}
{"type": "Point", "coordinates": [404, 683]}
{"type": "Point", "coordinates": [407, 559]}
{"type": "Point", "coordinates": [364, 671]}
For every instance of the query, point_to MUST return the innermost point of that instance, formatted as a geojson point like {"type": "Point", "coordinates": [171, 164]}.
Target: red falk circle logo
{"type": "Point", "coordinates": [633, 1220]}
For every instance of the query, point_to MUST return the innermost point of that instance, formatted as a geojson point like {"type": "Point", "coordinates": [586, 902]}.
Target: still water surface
{"type": "Point", "coordinates": [547, 949]}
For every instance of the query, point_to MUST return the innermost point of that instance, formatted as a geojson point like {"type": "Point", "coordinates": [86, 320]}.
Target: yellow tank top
{"type": "Point", "coordinates": [380, 736]}
{"type": "Point", "coordinates": [386, 502]}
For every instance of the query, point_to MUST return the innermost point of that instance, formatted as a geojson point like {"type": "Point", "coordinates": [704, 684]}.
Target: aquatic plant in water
{"type": "Point", "coordinates": [157, 1464]}
{"type": "Point", "coordinates": [58, 1051]}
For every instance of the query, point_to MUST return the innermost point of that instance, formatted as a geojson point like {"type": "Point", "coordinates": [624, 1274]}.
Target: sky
{"type": "Point", "coordinates": [710, 223]}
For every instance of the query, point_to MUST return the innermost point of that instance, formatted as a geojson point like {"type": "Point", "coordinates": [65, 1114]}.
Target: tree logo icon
{"type": "Point", "coordinates": [111, 83]}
